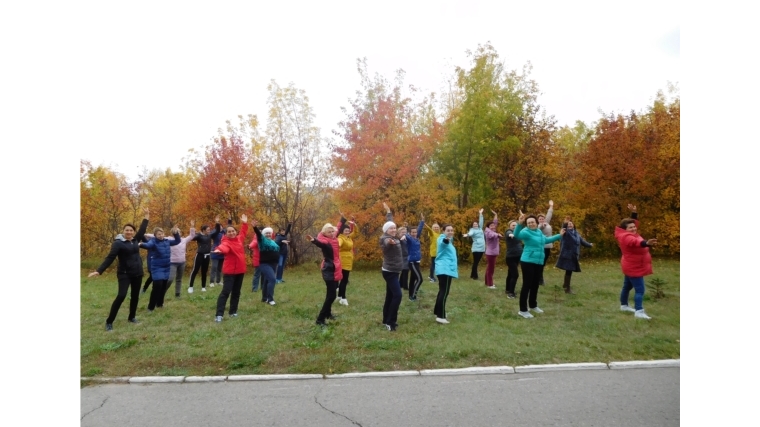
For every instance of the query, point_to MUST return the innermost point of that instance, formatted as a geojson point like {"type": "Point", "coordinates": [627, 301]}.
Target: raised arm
{"type": "Point", "coordinates": [177, 238]}
{"type": "Point", "coordinates": [480, 218]}
{"type": "Point", "coordinates": [388, 214]}
{"type": "Point", "coordinates": [143, 225]}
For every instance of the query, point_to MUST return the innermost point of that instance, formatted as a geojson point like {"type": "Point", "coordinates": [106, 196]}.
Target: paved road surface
{"type": "Point", "coordinates": [626, 397]}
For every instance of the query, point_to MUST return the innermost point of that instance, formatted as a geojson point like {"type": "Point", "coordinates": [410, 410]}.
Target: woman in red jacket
{"type": "Point", "coordinates": [332, 271]}
{"type": "Point", "coordinates": [636, 262]}
{"type": "Point", "coordinates": [233, 269]}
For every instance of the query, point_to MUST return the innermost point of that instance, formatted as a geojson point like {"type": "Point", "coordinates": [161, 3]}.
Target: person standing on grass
{"type": "Point", "coordinates": [202, 258]}
{"type": "Point", "coordinates": [159, 251]}
{"type": "Point", "coordinates": [446, 270]}
{"type": "Point", "coordinates": [433, 233]}
{"type": "Point", "coordinates": [531, 261]}
{"type": "Point", "coordinates": [570, 252]}
{"type": "Point", "coordinates": [269, 256]}
{"type": "Point", "coordinates": [415, 256]}
{"type": "Point", "coordinates": [149, 280]}
{"type": "Point", "coordinates": [332, 271]}
{"type": "Point", "coordinates": [346, 234]}
{"type": "Point", "coordinates": [393, 261]}
{"type": "Point", "coordinates": [546, 229]}
{"type": "Point", "coordinates": [401, 233]}
{"type": "Point", "coordinates": [478, 244]}
{"type": "Point", "coordinates": [282, 241]}
{"type": "Point", "coordinates": [514, 252]}
{"type": "Point", "coordinates": [231, 246]}
{"type": "Point", "coordinates": [492, 248]}
{"type": "Point", "coordinates": [217, 260]}
{"type": "Point", "coordinates": [254, 247]}
{"type": "Point", "coordinates": [178, 259]}
{"type": "Point", "coordinates": [129, 272]}
{"type": "Point", "coordinates": [636, 262]}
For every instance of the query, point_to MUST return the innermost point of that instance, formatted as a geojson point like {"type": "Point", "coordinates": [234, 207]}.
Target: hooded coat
{"type": "Point", "coordinates": [234, 254]}
{"type": "Point", "coordinates": [636, 260]}
{"type": "Point", "coordinates": [331, 266]}
{"type": "Point", "coordinates": [570, 251]}
{"type": "Point", "coordinates": [160, 254]}
{"type": "Point", "coordinates": [128, 254]}
{"type": "Point", "coordinates": [534, 241]}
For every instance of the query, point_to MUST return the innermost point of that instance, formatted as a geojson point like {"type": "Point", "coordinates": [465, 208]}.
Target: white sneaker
{"type": "Point", "coordinates": [640, 314]}
{"type": "Point", "coordinates": [344, 301]}
{"type": "Point", "coordinates": [272, 302]}
{"type": "Point", "coordinates": [190, 290]}
{"type": "Point", "coordinates": [491, 287]}
{"type": "Point", "coordinates": [525, 314]}
{"type": "Point", "coordinates": [444, 321]}
{"type": "Point", "coordinates": [337, 299]}
{"type": "Point", "coordinates": [203, 289]}
{"type": "Point", "coordinates": [211, 285]}
{"type": "Point", "coordinates": [537, 310]}
{"type": "Point", "coordinates": [218, 319]}
{"type": "Point", "coordinates": [431, 280]}
{"type": "Point", "coordinates": [627, 308]}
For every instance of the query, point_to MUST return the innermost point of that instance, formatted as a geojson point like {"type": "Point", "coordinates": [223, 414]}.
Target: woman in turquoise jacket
{"type": "Point", "coordinates": [478, 244]}
{"type": "Point", "coordinates": [531, 261]}
{"type": "Point", "coordinates": [445, 269]}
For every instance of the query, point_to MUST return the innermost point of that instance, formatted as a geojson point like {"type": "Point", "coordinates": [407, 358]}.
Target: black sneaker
{"type": "Point", "coordinates": [412, 299]}
{"type": "Point", "coordinates": [135, 321]}
{"type": "Point", "coordinates": [321, 323]}
{"type": "Point", "coordinates": [176, 295]}
{"type": "Point", "coordinates": [109, 327]}
{"type": "Point", "coordinates": [511, 296]}
{"type": "Point", "coordinates": [393, 327]}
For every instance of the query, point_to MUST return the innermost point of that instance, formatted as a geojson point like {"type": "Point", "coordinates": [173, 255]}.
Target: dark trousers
{"type": "Point", "coordinates": [256, 279]}
{"type": "Point", "coordinates": [404, 280]}
{"type": "Point", "coordinates": [476, 256]}
{"type": "Point", "coordinates": [157, 294]}
{"type": "Point", "coordinates": [268, 281]}
{"type": "Point", "coordinates": [513, 273]}
{"type": "Point", "coordinates": [392, 298]}
{"type": "Point", "coordinates": [432, 268]}
{"type": "Point", "coordinates": [126, 282]}
{"type": "Point", "coordinates": [281, 266]}
{"type": "Point", "coordinates": [148, 281]}
{"type": "Point", "coordinates": [490, 267]}
{"type": "Point", "coordinates": [547, 252]}
{"type": "Point", "coordinates": [201, 263]}
{"type": "Point", "coordinates": [343, 283]}
{"type": "Point", "coordinates": [232, 284]}
{"type": "Point", "coordinates": [529, 292]}
{"type": "Point", "coordinates": [444, 284]}
{"type": "Point", "coordinates": [326, 311]}
{"type": "Point", "coordinates": [415, 278]}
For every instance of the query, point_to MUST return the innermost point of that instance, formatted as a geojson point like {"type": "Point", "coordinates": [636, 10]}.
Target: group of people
{"type": "Point", "coordinates": [529, 240]}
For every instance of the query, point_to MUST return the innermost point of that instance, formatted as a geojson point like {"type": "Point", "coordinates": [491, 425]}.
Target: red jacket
{"type": "Point", "coordinates": [636, 260]}
{"type": "Point", "coordinates": [234, 254]}
{"type": "Point", "coordinates": [331, 268]}
{"type": "Point", "coordinates": [254, 247]}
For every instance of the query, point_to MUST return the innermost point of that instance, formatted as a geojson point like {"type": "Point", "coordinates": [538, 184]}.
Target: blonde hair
{"type": "Point", "coordinates": [157, 229]}
{"type": "Point", "coordinates": [327, 227]}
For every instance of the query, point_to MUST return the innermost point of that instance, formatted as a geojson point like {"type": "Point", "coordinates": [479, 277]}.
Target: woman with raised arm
{"type": "Point", "coordinates": [232, 246]}
{"type": "Point", "coordinates": [401, 233]}
{"type": "Point", "coordinates": [514, 252]}
{"type": "Point", "coordinates": [217, 260]}
{"type": "Point", "coordinates": [446, 270]}
{"type": "Point", "coordinates": [282, 241]}
{"type": "Point", "coordinates": [159, 251]}
{"type": "Point", "coordinates": [636, 262]}
{"type": "Point", "coordinates": [255, 261]}
{"type": "Point", "coordinates": [433, 233]}
{"type": "Point", "coordinates": [531, 261]}
{"type": "Point", "coordinates": [492, 248]}
{"type": "Point", "coordinates": [478, 244]}
{"type": "Point", "coordinates": [546, 229]}
{"type": "Point", "coordinates": [346, 234]}
{"type": "Point", "coordinates": [178, 259]}
{"type": "Point", "coordinates": [129, 272]}
{"type": "Point", "coordinates": [202, 258]}
{"type": "Point", "coordinates": [393, 261]}
{"type": "Point", "coordinates": [332, 271]}
{"type": "Point", "coordinates": [570, 252]}
{"type": "Point", "coordinates": [415, 256]}
{"type": "Point", "coordinates": [269, 256]}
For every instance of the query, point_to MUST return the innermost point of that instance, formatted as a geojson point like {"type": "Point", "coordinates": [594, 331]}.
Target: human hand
{"type": "Point", "coordinates": [631, 207]}
{"type": "Point", "coordinates": [562, 231]}
{"type": "Point", "coordinates": [652, 242]}
{"type": "Point", "coordinates": [385, 206]}
{"type": "Point", "coordinates": [192, 223]}
{"type": "Point", "coordinates": [551, 203]}
{"type": "Point", "coordinates": [216, 219]}
{"type": "Point", "coordinates": [93, 274]}
{"type": "Point", "coordinates": [480, 211]}
{"type": "Point", "coordinates": [244, 218]}
{"type": "Point", "coordinates": [309, 238]}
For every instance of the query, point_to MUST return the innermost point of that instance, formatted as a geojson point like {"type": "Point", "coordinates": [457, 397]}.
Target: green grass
{"type": "Point", "coordinates": [485, 330]}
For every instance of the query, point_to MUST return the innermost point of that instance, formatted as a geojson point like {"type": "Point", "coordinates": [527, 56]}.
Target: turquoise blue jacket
{"type": "Point", "coordinates": [446, 259]}
{"type": "Point", "coordinates": [478, 239]}
{"type": "Point", "coordinates": [534, 241]}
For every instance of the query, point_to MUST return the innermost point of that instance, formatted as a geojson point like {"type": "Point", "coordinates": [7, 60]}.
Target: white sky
{"type": "Point", "coordinates": [153, 81]}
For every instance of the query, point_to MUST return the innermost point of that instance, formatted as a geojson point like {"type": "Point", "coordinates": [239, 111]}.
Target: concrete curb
{"type": "Point", "coordinates": [488, 370]}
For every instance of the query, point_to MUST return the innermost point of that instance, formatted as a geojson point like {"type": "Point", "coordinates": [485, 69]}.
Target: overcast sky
{"type": "Point", "coordinates": [153, 81]}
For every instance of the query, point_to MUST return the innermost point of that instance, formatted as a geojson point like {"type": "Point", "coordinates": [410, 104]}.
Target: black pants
{"type": "Point", "coordinates": [513, 273]}
{"type": "Point", "coordinates": [342, 285]}
{"type": "Point", "coordinates": [148, 281]}
{"type": "Point", "coordinates": [404, 280]}
{"type": "Point", "coordinates": [201, 263]}
{"type": "Point", "coordinates": [547, 252]}
{"type": "Point", "coordinates": [157, 294]}
{"type": "Point", "coordinates": [415, 278]}
{"type": "Point", "coordinates": [444, 284]}
{"type": "Point", "coordinates": [326, 311]}
{"type": "Point", "coordinates": [392, 298]}
{"type": "Point", "coordinates": [476, 256]}
{"type": "Point", "coordinates": [529, 291]}
{"type": "Point", "coordinates": [125, 282]}
{"type": "Point", "coordinates": [233, 283]}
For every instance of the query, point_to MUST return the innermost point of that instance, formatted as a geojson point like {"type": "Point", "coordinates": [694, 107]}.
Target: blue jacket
{"type": "Point", "coordinates": [534, 241]}
{"type": "Point", "coordinates": [414, 245]}
{"type": "Point", "coordinates": [570, 251]}
{"type": "Point", "coordinates": [446, 258]}
{"type": "Point", "coordinates": [283, 246]}
{"type": "Point", "coordinates": [478, 239]}
{"type": "Point", "coordinates": [160, 254]}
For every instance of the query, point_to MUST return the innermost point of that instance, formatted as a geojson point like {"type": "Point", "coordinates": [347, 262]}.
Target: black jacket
{"type": "Point", "coordinates": [283, 246]}
{"type": "Point", "coordinates": [514, 245]}
{"type": "Point", "coordinates": [128, 253]}
{"type": "Point", "coordinates": [204, 243]}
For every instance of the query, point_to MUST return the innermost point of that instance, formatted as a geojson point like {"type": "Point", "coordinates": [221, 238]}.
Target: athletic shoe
{"type": "Point", "coordinates": [537, 310]}
{"type": "Point", "coordinates": [344, 301]}
{"type": "Point", "coordinates": [321, 323]}
{"type": "Point", "coordinates": [640, 314]}
{"type": "Point", "coordinates": [218, 319]}
{"type": "Point", "coordinates": [412, 299]}
{"type": "Point", "coordinates": [525, 314]}
{"type": "Point", "coordinates": [443, 321]}
{"type": "Point", "coordinates": [491, 287]}
{"type": "Point", "coordinates": [394, 326]}
{"type": "Point", "coordinates": [203, 289]}
{"type": "Point", "coordinates": [234, 315]}
{"type": "Point", "coordinates": [511, 296]}
{"type": "Point", "coordinates": [211, 285]}
{"type": "Point", "coordinates": [109, 327]}
{"type": "Point", "coordinates": [150, 311]}
{"type": "Point", "coordinates": [278, 282]}
{"type": "Point", "coordinates": [133, 321]}
{"type": "Point", "coordinates": [432, 280]}
{"type": "Point", "coordinates": [388, 327]}
{"type": "Point", "coordinates": [331, 317]}
{"type": "Point", "coordinates": [337, 299]}
{"type": "Point", "coordinates": [627, 308]}
{"type": "Point", "coordinates": [176, 295]}
{"type": "Point", "coordinates": [272, 302]}
{"type": "Point", "coordinates": [190, 290]}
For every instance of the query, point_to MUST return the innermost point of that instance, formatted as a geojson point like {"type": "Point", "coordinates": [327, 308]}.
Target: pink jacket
{"type": "Point", "coordinates": [492, 240]}
{"type": "Point", "coordinates": [636, 260]}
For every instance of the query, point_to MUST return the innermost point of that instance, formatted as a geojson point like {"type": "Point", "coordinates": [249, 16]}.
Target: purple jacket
{"type": "Point", "coordinates": [492, 240]}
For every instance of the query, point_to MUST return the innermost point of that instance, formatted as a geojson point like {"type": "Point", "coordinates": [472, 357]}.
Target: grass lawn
{"type": "Point", "coordinates": [485, 330]}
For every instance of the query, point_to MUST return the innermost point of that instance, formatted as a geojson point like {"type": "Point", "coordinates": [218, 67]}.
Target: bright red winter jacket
{"type": "Point", "coordinates": [636, 260]}
{"type": "Point", "coordinates": [234, 254]}
{"type": "Point", "coordinates": [254, 247]}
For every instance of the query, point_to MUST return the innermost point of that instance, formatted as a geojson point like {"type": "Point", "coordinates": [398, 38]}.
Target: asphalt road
{"type": "Point", "coordinates": [626, 397]}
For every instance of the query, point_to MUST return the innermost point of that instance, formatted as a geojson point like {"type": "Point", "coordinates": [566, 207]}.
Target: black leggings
{"type": "Point", "coordinates": [326, 311]}
{"type": "Point", "coordinates": [513, 273]}
{"type": "Point", "coordinates": [529, 292]}
{"type": "Point", "coordinates": [476, 256]}
{"type": "Point", "coordinates": [126, 282]}
{"type": "Point", "coordinates": [232, 285]}
{"type": "Point", "coordinates": [157, 294]}
{"type": "Point", "coordinates": [444, 285]}
{"type": "Point", "coordinates": [148, 281]}
{"type": "Point", "coordinates": [415, 278]}
{"type": "Point", "coordinates": [342, 285]}
{"type": "Point", "coordinates": [201, 262]}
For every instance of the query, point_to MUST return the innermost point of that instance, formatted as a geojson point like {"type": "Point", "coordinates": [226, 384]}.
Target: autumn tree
{"type": "Point", "coordinates": [104, 207]}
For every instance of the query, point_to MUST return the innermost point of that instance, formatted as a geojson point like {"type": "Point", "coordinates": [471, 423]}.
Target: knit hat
{"type": "Point", "coordinates": [267, 230]}
{"type": "Point", "coordinates": [388, 225]}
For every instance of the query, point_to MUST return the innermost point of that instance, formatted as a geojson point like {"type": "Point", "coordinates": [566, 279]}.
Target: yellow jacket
{"type": "Point", "coordinates": [346, 244]}
{"type": "Point", "coordinates": [433, 241]}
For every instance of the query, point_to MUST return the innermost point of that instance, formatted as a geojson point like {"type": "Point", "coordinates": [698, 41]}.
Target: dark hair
{"type": "Point", "coordinates": [128, 225]}
{"type": "Point", "coordinates": [447, 225]}
{"type": "Point", "coordinates": [489, 224]}
{"type": "Point", "coordinates": [625, 222]}
{"type": "Point", "coordinates": [342, 227]}
{"type": "Point", "coordinates": [529, 217]}
{"type": "Point", "coordinates": [230, 226]}
{"type": "Point", "coordinates": [204, 227]}
{"type": "Point", "coordinates": [539, 216]}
